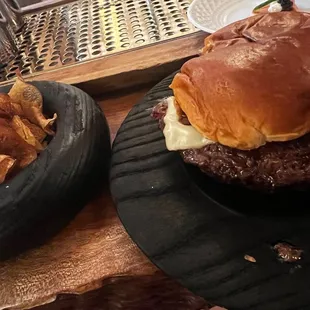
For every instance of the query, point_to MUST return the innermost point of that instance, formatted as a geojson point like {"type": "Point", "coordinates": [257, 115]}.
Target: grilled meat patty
{"type": "Point", "coordinates": [274, 165]}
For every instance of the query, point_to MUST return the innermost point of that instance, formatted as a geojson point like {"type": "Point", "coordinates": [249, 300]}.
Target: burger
{"type": "Point", "coordinates": [241, 110]}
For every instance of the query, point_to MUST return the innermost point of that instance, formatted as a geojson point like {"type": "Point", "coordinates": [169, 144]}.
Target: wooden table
{"type": "Point", "coordinates": [93, 263]}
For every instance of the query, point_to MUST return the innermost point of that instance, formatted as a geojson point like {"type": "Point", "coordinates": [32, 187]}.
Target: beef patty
{"type": "Point", "coordinates": [274, 165]}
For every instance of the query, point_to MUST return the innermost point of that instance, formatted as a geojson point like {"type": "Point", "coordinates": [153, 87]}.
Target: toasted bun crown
{"type": "Point", "coordinates": [252, 83]}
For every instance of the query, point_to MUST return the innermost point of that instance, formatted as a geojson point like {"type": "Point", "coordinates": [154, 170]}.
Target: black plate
{"type": "Point", "coordinates": [199, 231]}
{"type": "Point", "coordinates": [41, 199]}
{"type": "Point", "coordinates": [285, 202]}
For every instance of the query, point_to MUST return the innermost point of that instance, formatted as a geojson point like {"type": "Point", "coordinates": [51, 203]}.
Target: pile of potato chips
{"type": "Point", "coordinates": [23, 128]}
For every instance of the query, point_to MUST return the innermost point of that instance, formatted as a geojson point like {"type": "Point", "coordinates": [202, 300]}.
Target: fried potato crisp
{"type": "Point", "coordinates": [25, 132]}
{"type": "Point", "coordinates": [23, 128]}
{"type": "Point", "coordinates": [31, 102]}
{"type": "Point", "coordinates": [38, 133]}
{"type": "Point", "coordinates": [13, 145]}
{"type": "Point", "coordinates": [6, 165]}
{"type": "Point", "coordinates": [7, 108]}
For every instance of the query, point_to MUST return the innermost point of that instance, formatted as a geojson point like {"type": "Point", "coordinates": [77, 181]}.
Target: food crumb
{"type": "Point", "coordinates": [288, 253]}
{"type": "Point", "coordinates": [250, 258]}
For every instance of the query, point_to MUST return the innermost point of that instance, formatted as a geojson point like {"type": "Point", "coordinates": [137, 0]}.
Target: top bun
{"type": "Point", "coordinates": [252, 83]}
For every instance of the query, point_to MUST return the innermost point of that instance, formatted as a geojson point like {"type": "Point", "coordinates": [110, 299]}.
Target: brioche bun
{"type": "Point", "coordinates": [252, 83]}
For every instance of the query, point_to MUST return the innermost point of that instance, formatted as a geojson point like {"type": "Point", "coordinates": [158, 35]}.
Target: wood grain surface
{"type": "Point", "coordinates": [192, 238]}
{"type": "Point", "coordinates": [93, 264]}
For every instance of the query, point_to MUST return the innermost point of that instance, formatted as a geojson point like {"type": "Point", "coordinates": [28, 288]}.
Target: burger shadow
{"type": "Point", "coordinates": [241, 201]}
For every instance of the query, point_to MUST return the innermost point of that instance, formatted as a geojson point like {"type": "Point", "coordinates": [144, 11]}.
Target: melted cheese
{"type": "Point", "coordinates": [179, 136]}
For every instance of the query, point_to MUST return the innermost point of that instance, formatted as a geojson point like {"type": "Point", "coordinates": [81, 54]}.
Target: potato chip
{"type": "Point", "coordinates": [6, 165]}
{"type": "Point", "coordinates": [39, 133]}
{"type": "Point", "coordinates": [31, 101]}
{"type": "Point", "coordinates": [13, 145]}
{"type": "Point", "coordinates": [7, 108]}
{"type": "Point", "coordinates": [23, 130]}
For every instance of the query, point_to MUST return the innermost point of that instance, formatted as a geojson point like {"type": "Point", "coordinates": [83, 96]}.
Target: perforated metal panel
{"type": "Point", "coordinates": [84, 30]}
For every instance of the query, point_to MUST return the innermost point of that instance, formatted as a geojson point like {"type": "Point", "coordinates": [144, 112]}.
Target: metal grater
{"type": "Point", "coordinates": [83, 30]}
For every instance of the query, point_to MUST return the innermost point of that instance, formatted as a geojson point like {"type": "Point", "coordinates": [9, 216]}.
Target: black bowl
{"type": "Point", "coordinates": [45, 196]}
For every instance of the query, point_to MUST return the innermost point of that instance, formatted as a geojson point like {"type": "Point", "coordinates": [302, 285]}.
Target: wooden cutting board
{"type": "Point", "coordinates": [192, 238]}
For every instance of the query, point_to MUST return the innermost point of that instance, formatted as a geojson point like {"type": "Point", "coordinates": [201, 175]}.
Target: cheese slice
{"type": "Point", "coordinates": [179, 136]}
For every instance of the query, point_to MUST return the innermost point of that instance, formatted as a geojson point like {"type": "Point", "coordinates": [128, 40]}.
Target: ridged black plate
{"type": "Point", "coordinates": [193, 239]}
{"type": "Point", "coordinates": [48, 193]}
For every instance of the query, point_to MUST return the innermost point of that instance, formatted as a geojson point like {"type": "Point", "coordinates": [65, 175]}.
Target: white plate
{"type": "Point", "coordinates": [211, 15]}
